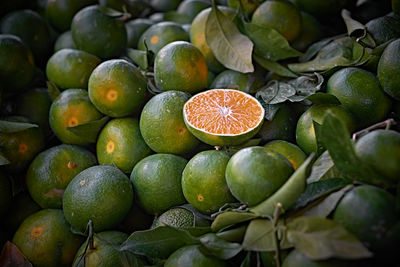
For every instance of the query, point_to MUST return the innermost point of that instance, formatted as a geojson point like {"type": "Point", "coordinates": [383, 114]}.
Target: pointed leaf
{"type": "Point", "coordinates": [321, 239]}
{"type": "Point", "coordinates": [3, 160]}
{"type": "Point", "coordinates": [233, 235]}
{"type": "Point", "coordinates": [220, 248]}
{"type": "Point", "coordinates": [11, 256]}
{"type": "Point", "coordinates": [229, 46]}
{"type": "Point", "coordinates": [323, 168]}
{"type": "Point", "coordinates": [269, 43]}
{"type": "Point", "coordinates": [336, 138]}
{"type": "Point", "coordinates": [274, 67]}
{"type": "Point", "coordinates": [159, 242]}
{"type": "Point", "coordinates": [354, 28]}
{"type": "Point", "coordinates": [317, 46]}
{"type": "Point", "coordinates": [89, 131]}
{"type": "Point", "coordinates": [52, 90]}
{"type": "Point", "coordinates": [139, 57]}
{"type": "Point", "coordinates": [230, 218]}
{"type": "Point", "coordinates": [323, 98]}
{"type": "Point", "coordinates": [247, 260]}
{"type": "Point", "coordinates": [13, 127]}
{"type": "Point", "coordinates": [319, 189]}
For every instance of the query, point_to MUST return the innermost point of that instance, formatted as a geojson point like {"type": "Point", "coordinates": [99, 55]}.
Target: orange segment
{"type": "Point", "coordinates": [224, 112]}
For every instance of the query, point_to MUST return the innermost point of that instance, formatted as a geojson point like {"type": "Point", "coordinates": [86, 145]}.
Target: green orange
{"type": "Point", "coordinates": [64, 40]}
{"type": "Point", "coordinates": [134, 29]}
{"type": "Point", "coordinates": [255, 173]}
{"type": "Point", "coordinates": [104, 251]}
{"type": "Point", "coordinates": [98, 33]}
{"type": "Point", "coordinates": [245, 82]}
{"type": "Point", "coordinates": [161, 34]}
{"type": "Point", "coordinates": [46, 240]}
{"type": "Point", "coordinates": [203, 181]}
{"type": "Point", "coordinates": [121, 143]}
{"type": "Point", "coordinates": [305, 131]}
{"type": "Point", "coordinates": [117, 88]}
{"type": "Point", "coordinates": [71, 108]}
{"type": "Point", "coordinates": [375, 215]}
{"type": "Point", "coordinates": [22, 146]}
{"type": "Point", "coordinates": [192, 7]}
{"type": "Point", "coordinates": [61, 12]}
{"type": "Point", "coordinates": [282, 16]}
{"type": "Point", "coordinates": [17, 67]}
{"type": "Point", "coordinates": [310, 32]}
{"type": "Point", "coordinates": [53, 169]}
{"type": "Point", "coordinates": [156, 180]}
{"type": "Point", "coordinates": [388, 69]}
{"type": "Point", "coordinates": [181, 218]}
{"type": "Point", "coordinates": [360, 93]}
{"type": "Point", "coordinates": [293, 153]}
{"type": "Point", "coordinates": [162, 125]}
{"type": "Point", "coordinates": [71, 68]}
{"type": "Point", "coordinates": [381, 150]}
{"type": "Point", "coordinates": [102, 194]}
{"type": "Point", "coordinates": [198, 36]}
{"type": "Point", "coordinates": [180, 66]}
{"type": "Point", "coordinates": [193, 256]}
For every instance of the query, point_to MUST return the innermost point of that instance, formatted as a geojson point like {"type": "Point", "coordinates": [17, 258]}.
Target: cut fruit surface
{"type": "Point", "coordinates": [223, 117]}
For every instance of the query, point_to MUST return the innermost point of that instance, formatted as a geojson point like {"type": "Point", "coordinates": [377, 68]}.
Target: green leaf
{"type": "Point", "coordinates": [128, 259]}
{"type": "Point", "coordinates": [247, 260]}
{"type": "Point", "coordinates": [111, 12]}
{"type": "Point", "coordinates": [11, 256]}
{"type": "Point", "coordinates": [323, 168]}
{"type": "Point", "coordinates": [233, 235]}
{"type": "Point", "coordinates": [89, 130]}
{"type": "Point", "coordinates": [3, 160]}
{"type": "Point", "coordinates": [336, 53]}
{"type": "Point", "coordinates": [323, 98]}
{"type": "Point", "coordinates": [260, 236]}
{"type": "Point", "coordinates": [269, 110]}
{"type": "Point", "coordinates": [230, 218]}
{"type": "Point", "coordinates": [321, 239]}
{"type": "Point", "coordinates": [52, 90]}
{"type": "Point", "coordinates": [229, 46]}
{"type": "Point", "coordinates": [319, 189]}
{"type": "Point", "coordinates": [317, 46]}
{"type": "Point", "coordinates": [354, 28]}
{"type": "Point", "coordinates": [13, 127]}
{"type": "Point", "coordinates": [220, 248]}
{"type": "Point", "coordinates": [269, 43]}
{"type": "Point", "coordinates": [139, 57]}
{"type": "Point", "coordinates": [197, 215]}
{"type": "Point", "coordinates": [336, 138]}
{"type": "Point", "coordinates": [288, 193]}
{"type": "Point", "coordinates": [159, 242]}
{"type": "Point", "coordinates": [325, 207]}
{"type": "Point", "coordinates": [317, 128]}
{"type": "Point", "coordinates": [274, 67]}
{"type": "Point", "coordinates": [177, 17]}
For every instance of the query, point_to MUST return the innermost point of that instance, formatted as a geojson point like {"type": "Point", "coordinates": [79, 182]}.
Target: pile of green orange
{"type": "Point", "coordinates": [200, 133]}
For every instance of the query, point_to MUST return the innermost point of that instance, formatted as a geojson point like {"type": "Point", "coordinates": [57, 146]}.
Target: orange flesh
{"type": "Point", "coordinates": [221, 111]}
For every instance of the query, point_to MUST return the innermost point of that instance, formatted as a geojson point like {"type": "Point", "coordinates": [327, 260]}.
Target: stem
{"type": "Point", "coordinates": [278, 207]}
{"type": "Point", "coordinates": [387, 124]}
{"type": "Point", "coordinates": [91, 234]}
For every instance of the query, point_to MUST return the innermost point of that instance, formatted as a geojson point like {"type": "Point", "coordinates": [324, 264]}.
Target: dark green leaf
{"type": "Point", "coordinates": [320, 239]}
{"type": "Point", "coordinates": [139, 57]}
{"type": "Point", "coordinates": [229, 46]}
{"type": "Point", "coordinates": [128, 259]}
{"type": "Point", "coordinates": [377, 51]}
{"type": "Point", "coordinates": [13, 127]}
{"type": "Point", "coordinates": [270, 110]}
{"type": "Point", "coordinates": [336, 53]}
{"type": "Point", "coordinates": [230, 218]}
{"type": "Point", "coordinates": [219, 247]}
{"type": "Point", "coordinates": [260, 236]}
{"type": "Point", "coordinates": [325, 207]}
{"type": "Point", "coordinates": [247, 260]}
{"type": "Point", "coordinates": [336, 138]}
{"type": "Point", "coordinates": [52, 90]}
{"type": "Point", "coordinates": [316, 47]}
{"type": "Point", "coordinates": [274, 67]}
{"type": "Point", "coordinates": [89, 130]}
{"type": "Point", "coordinates": [233, 235]}
{"type": "Point", "coordinates": [354, 28]}
{"type": "Point", "coordinates": [11, 256]}
{"type": "Point", "coordinates": [197, 215]}
{"type": "Point", "coordinates": [317, 128]}
{"type": "Point", "coordinates": [111, 12]}
{"type": "Point", "coordinates": [3, 160]}
{"type": "Point", "coordinates": [319, 189]}
{"type": "Point", "coordinates": [323, 168]}
{"type": "Point", "coordinates": [323, 98]}
{"type": "Point", "coordinates": [159, 242]}
{"type": "Point", "coordinates": [177, 17]}
{"type": "Point", "coordinates": [269, 43]}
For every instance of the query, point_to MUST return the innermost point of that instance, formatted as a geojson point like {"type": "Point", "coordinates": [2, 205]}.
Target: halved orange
{"type": "Point", "coordinates": [223, 117]}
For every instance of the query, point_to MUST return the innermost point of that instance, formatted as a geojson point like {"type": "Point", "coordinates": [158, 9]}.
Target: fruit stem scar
{"type": "Point", "coordinates": [154, 39]}
{"type": "Point", "coordinates": [22, 148]}
{"type": "Point", "coordinates": [110, 146]}
{"type": "Point", "coordinates": [71, 165]}
{"type": "Point", "coordinates": [37, 231]}
{"type": "Point", "coordinates": [72, 122]}
{"type": "Point", "coordinates": [200, 197]}
{"type": "Point", "coordinates": [112, 95]}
